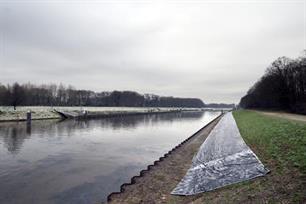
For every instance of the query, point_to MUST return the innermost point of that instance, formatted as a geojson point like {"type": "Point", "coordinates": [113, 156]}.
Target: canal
{"type": "Point", "coordinates": [82, 161]}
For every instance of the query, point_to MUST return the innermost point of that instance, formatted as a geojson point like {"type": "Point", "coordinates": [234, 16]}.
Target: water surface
{"type": "Point", "coordinates": [83, 161]}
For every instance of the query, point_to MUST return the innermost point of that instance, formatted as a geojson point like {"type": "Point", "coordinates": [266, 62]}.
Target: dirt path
{"type": "Point", "coordinates": [155, 185]}
{"type": "Point", "coordinates": [285, 115]}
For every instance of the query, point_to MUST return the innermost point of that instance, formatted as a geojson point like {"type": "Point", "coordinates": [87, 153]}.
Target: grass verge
{"type": "Point", "coordinates": [281, 145]}
{"type": "Point", "coordinates": [277, 139]}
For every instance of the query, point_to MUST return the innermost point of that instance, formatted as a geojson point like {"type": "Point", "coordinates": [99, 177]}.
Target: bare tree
{"type": "Point", "coordinates": [49, 95]}
{"type": "Point", "coordinates": [282, 87]}
{"type": "Point", "coordinates": [17, 95]}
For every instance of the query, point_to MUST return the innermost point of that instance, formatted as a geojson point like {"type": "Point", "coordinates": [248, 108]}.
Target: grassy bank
{"type": "Point", "coordinates": [20, 115]}
{"type": "Point", "coordinates": [278, 142]}
{"type": "Point", "coordinates": [277, 139]}
{"type": "Point", "coordinates": [281, 145]}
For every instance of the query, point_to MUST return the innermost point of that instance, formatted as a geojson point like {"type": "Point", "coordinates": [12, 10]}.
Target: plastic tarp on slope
{"type": "Point", "coordinates": [222, 159]}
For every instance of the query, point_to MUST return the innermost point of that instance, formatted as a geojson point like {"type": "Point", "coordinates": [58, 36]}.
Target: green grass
{"type": "Point", "coordinates": [281, 145]}
{"type": "Point", "coordinates": [276, 140]}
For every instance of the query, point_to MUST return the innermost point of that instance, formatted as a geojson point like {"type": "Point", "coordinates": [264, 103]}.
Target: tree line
{"type": "Point", "coordinates": [282, 87]}
{"type": "Point", "coordinates": [220, 105]}
{"type": "Point", "coordinates": [59, 95]}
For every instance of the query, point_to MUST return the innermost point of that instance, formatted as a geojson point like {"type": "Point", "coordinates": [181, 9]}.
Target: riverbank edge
{"type": "Point", "coordinates": [95, 114]}
{"type": "Point", "coordinates": [23, 120]}
{"type": "Point", "coordinates": [92, 115]}
{"type": "Point", "coordinates": [161, 159]}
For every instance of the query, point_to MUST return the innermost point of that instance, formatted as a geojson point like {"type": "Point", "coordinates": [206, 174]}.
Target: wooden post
{"type": "Point", "coordinates": [29, 117]}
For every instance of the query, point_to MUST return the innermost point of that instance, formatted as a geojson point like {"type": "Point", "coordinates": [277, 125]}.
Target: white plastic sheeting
{"type": "Point", "coordinates": [222, 159]}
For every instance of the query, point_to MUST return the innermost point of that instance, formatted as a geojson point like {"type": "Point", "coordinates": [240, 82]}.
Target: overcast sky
{"type": "Point", "coordinates": [213, 50]}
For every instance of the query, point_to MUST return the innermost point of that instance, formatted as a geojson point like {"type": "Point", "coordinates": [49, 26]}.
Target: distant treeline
{"type": "Point", "coordinates": [220, 105]}
{"type": "Point", "coordinates": [60, 95]}
{"type": "Point", "coordinates": [282, 87]}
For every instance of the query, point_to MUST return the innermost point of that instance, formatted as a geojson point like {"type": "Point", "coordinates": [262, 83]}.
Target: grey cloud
{"type": "Point", "coordinates": [213, 51]}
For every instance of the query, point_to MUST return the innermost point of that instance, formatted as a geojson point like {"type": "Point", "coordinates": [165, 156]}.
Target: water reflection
{"type": "Point", "coordinates": [29, 128]}
{"type": "Point", "coordinates": [82, 161]}
{"type": "Point", "coordinates": [15, 133]}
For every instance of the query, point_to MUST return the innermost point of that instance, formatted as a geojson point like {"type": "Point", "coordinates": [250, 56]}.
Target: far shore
{"type": "Point", "coordinates": [7, 113]}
